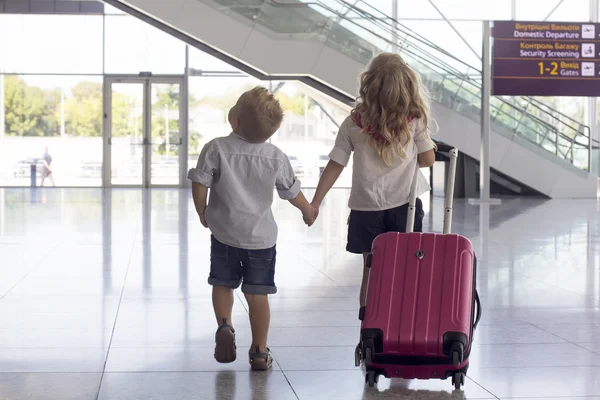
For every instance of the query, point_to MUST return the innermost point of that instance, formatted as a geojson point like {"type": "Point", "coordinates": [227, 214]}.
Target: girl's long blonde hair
{"type": "Point", "coordinates": [391, 96]}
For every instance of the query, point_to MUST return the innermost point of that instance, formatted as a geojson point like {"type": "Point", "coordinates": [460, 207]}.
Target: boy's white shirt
{"type": "Point", "coordinates": [375, 185]}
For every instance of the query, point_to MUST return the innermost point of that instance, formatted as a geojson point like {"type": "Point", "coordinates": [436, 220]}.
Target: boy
{"type": "Point", "coordinates": [241, 171]}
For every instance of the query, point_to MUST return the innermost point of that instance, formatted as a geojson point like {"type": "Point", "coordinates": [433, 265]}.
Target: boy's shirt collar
{"type": "Point", "coordinates": [238, 136]}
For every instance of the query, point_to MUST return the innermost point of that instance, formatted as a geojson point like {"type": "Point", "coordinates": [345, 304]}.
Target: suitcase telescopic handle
{"type": "Point", "coordinates": [444, 148]}
{"type": "Point", "coordinates": [410, 220]}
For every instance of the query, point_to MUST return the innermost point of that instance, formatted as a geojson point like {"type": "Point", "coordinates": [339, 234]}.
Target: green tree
{"type": "Point", "coordinates": [166, 106]}
{"type": "Point", "coordinates": [24, 108]}
{"type": "Point", "coordinates": [294, 104]}
{"type": "Point", "coordinates": [50, 121]}
{"type": "Point", "coordinates": [83, 111]}
{"type": "Point", "coordinates": [224, 101]}
{"type": "Point", "coordinates": [126, 115]}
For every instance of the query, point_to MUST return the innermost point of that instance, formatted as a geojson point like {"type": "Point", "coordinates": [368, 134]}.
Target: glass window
{"type": "Point", "coordinates": [456, 9]}
{"type": "Point", "coordinates": [110, 10]}
{"type": "Point", "coordinates": [475, 9]}
{"type": "Point", "coordinates": [377, 7]}
{"type": "Point", "coordinates": [571, 10]}
{"type": "Point", "coordinates": [133, 46]}
{"type": "Point", "coordinates": [210, 99]}
{"type": "Point", "coordinates": [201, 61]}
{"type": "Point", "coordinates": [306, 135]}
{"type": "Point", "coordinates": [60, 114]}
{"type": "Point", "coordinates": [51, 44]}
{"type": "Point", "coordinates": [409, 9]}
{"type": "Point", "coordinates": [441, 34]}
{"type": "Point", "coordinates": [568, 10]}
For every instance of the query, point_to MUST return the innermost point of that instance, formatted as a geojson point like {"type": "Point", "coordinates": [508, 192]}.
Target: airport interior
{"type": "Point", "coordinates": [105, 262]}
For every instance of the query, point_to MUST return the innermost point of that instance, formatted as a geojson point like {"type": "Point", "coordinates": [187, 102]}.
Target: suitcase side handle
{"type": "Point", "coordinates": [478, 315]}
{"type": "Point", "coordinates": [410, 218]}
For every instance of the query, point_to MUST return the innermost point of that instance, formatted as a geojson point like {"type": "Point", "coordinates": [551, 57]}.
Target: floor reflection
{"type": "Point", "coordinates": [110, 286]}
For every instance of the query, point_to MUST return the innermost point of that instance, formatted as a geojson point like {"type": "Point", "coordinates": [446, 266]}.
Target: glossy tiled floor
{"type": "Point", "coordinates": [103, 295]}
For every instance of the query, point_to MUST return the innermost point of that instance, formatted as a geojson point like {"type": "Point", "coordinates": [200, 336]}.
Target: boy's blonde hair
{"type": "Point", "coordinates": [391, 96]}
{"type": "Point", "coordinates": [260, 114]}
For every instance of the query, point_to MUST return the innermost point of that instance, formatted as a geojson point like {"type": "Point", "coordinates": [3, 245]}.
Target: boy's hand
{"type": "Point", "coordinates": [199, 194]}
{"type": "Point", "coordinates": [203, 219]}
{"type": "Point", "coordinates": [310, 215]}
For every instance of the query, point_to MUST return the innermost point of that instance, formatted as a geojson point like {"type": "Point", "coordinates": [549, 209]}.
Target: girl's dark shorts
{"type": "Point", "coordinates": [365, 226]}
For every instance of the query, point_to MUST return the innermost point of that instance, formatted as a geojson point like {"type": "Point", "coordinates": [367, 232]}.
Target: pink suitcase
{"type": "Point", "coordinates": [422, 306]}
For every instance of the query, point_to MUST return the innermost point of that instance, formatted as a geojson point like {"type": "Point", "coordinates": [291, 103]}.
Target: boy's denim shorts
{"type": "Point", "coordinates": [230, 266]}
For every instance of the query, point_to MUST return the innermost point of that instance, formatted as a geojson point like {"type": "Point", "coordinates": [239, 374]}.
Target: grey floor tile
{"type": "Point", "coordinates": [312, 292]}
{"type": "Point", "coordinates": [350, 385]}
{"type": "Point", "coordinates": [25, 305]}
{"type": "Point", "coordinates": [595, 346]}
{"type": "Point", "coordinates": [576, 333]}
{"type": "Point", "coordinates": [188, 359]}
{"type": "Point", "coordinates": [314, 304]}
{"type": "Point", "coordinates": [49, 386]}
{"type": "Point", "coordinates": [315, 358]}
{"type": "Point", "coordinates": [532, 355]}
{"type": "Point", "coordinates": [52, 359]}
{"type": "Point", "coordinates": [54, 337]}
{"type": "Point", "coordinates": [174, 336]}
{"type": "Point", "coordinates": [224, 385]}
{"type": "Point", "coordinates": [545, 383]}
{"type": "Point", "coordinates": [314, 319]}
{"type": "Point", "coordinates": [511, 333]}
{"type": "Point", "coordinates": [156, 319]}
{"type": "Point", "coordinates": [321, 336]}
{"type": "Point", "coordinates": [91, 320]}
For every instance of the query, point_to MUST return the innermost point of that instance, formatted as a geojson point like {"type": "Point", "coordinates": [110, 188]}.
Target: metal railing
{"type": "Point", "coordinates": [360, 31]}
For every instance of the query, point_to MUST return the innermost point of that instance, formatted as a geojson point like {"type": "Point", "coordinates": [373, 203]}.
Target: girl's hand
{"type": "Point", "coordinates": [315, 207]}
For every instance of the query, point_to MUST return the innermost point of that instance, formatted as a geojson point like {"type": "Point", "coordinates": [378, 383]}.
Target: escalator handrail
{"type": "Point", "coordinates": [445, 66]}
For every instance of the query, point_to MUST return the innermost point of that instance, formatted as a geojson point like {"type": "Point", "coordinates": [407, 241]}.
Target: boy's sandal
{"type": "Point", "coordinates": [225, 348]}
{"type": "Point", "coordinates": [260, 360]}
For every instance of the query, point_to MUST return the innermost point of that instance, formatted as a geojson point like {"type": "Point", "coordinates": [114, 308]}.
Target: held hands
{"type": "Point", "coordinates": [310, 214]}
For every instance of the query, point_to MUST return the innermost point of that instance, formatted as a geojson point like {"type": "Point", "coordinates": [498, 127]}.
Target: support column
{"type": "Point", "coordinates": [395, 46]}
{"type": "Point", "coordinates": [62, 111]}
{"type": "Point", "coordinates": [2, 107]}
{"type": "Point", "coordinates": [592, 119]}
{"type": "Point", "coordinates": [486, 92]}
{"type": "Point", "coordinates": [184, 123]}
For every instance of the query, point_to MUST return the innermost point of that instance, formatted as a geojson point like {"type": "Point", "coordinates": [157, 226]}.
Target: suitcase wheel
{"type": "Point", "coordinates": [458, 380]}
{"type": "Point", "coordinates": [457, 350]}
{"type": "Point", "coordinates": [369, 354]}
{"type": "Point", "coordinates": [372, 378]}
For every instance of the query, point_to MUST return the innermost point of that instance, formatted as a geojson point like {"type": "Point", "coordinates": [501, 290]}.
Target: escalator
{"type": "Point", "coordinates": [324, 44]}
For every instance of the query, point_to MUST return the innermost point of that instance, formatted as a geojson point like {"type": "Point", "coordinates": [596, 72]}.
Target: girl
{"type": "Point", "coordinates": [388, 131]}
